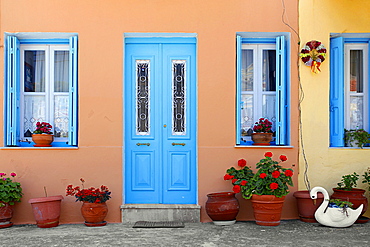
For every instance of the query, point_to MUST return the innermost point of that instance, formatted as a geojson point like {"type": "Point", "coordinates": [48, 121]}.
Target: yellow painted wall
{"type": "Point", "coordinates": [317, 19]}
{"type": "Point", "coordinates": [100, 26]}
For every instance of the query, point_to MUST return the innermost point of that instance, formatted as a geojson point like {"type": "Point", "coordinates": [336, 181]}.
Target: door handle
{"type": "Point", "coordinates": [142, 144]}
{"type": "Point", "coordinates": [178, 144]}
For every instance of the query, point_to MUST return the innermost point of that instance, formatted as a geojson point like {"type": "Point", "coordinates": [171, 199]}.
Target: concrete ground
{"type": "Point", "coordinates": [288, 233]}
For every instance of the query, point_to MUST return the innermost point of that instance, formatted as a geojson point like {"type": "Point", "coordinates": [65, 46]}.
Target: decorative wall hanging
{"type": "Point", "coordinates": [313, 54]}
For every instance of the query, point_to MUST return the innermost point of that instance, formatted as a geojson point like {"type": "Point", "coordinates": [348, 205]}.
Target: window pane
{"type": "Point", "coordinates": [247, 70]}
{"type": "Point", "coordinates": [178, 97]}
{"type": "Point", "coordinates": [34, 111]}
{"type": "Point", "coordinates": [61, 119]}
{"type": "Point", "coordinates": [61, 68]}
{"type": "Point", "coordinates": [268, 108]}
{"type": "Point", "coordinates": [142, 97]}
{"type": "Point", "coordinates": [356, 71]}
{"type": "Point", "coordinates": [268, 70]}
{"type": "Point", "coordinates": [356, 112]}
{"type": "Point", "coordinates": [34, 71]}
{"type": "Point", "coordinates": [247, 114]}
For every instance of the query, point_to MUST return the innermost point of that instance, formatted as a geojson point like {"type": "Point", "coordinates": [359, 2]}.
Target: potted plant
{"type": "Point", "coordinates": [263, 132]}
{"type": "Point", "coordinates": [46, 210]}
{"type": "Point", "coordinates": [223, 207]}
{"type": "Point", "coordinates": [356, 137]}
{"type": "Point", "coordinates": [10, 192]}
{"type": "Point", "coordinates": [94, 208]}
{"type": "Point", "coordinates": [346, 191]}
{"type": "Point", "coordinates": [42, 136]}
{"type": "Point", "coordinates": [267, 188]}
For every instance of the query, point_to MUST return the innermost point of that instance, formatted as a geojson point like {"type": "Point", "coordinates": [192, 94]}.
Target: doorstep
{"type": "Point", "coordinates": [131, 213]}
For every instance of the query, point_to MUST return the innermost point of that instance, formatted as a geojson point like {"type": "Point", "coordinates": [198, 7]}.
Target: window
{"type": "Point", "coordinates": [262, 81]}
{"type": "Point", "coordinates": [41, 86]}
{"type": "Point", "coordinates": [349, 76]}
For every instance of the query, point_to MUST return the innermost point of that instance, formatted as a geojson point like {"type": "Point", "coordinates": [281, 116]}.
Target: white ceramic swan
{"type": "Point", "coordinates": [334, 217]}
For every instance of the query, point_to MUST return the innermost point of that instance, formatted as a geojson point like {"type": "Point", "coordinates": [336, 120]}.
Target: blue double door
{"type": "Point", "coordinates": [160, 121]}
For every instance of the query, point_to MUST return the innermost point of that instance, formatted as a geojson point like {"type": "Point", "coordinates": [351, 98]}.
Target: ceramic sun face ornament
{"type": "Point", "coordinates": [334, 217]}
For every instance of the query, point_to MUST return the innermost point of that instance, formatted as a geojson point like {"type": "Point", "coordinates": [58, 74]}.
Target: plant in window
{"type": "Point", "coordinates": [358, 137]}
{"type": "Point", "coordinates": [263, 132]}
{"type": "Point", "coordinates": [43, 128]}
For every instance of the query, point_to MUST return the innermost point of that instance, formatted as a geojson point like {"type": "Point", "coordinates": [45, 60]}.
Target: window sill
{"type": "Point", "coordinates": [353, 148]}
{"type": "Point", "coordinates": [38, 148]}
{"type": "Point", "coordinates": [251, 146]}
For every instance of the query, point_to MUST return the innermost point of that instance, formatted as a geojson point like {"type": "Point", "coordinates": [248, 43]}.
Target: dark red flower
{"type": "Point", "coordinates": [275, 174]}
{"type": "Point", "coordinates": [283, 158]}
{"type": "Point", "coordinates": [228, 177]}
{"type": "Point", "coordinates": [236, 188]}
{"type": "Point", "coordinates": [274, 186]}
{"type": "Point", "coordinates": [244, 182]}
{"type": "Point", "coordinates": [242, 162]}
{"type": "Point", "coordinates": [263, 175]}
{"type": "Point", "coordinates": [268, 154]}
{"type": "Point", "coordinates": [288, 173]}
{"type": "Point", "coordinates": [234, 180]}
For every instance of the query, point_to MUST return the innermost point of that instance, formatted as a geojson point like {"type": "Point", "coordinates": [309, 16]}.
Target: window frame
{"type": "Point", "coordinates": [13, 84]}
{"type": "Point", "coordinates": [337, 93]}
{"type": "Point", "coordinates": [282, 41]}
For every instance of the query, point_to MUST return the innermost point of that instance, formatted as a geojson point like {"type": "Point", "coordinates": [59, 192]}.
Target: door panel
{"type": "Point", "coordinates": [160, 123]}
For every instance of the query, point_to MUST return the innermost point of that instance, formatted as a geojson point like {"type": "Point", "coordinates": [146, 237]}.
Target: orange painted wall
{"type": "Point", "coordinates": [100, 26]}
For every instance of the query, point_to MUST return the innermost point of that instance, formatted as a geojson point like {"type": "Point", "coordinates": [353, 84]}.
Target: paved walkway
{"type": "Point", "coordinates": [289, 233]}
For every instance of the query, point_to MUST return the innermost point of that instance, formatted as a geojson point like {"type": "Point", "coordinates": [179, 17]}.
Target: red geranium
{"type": "Point", "coordinates": [288, 173]}
{"type": "Point", "coordinates": [283, 158]}
{"type": "Point", "coordinates": [263, 175]}
{"type": "Point", "coordinates": [228, 177]}
{"type": "Point", "coordinates": [93, 195]}
{"type": "Point", "coordinates": [243, 183]}
{"type": "Point", "coordinates": [236, 188]}
{"type": "Point", "coordinates": [274, 186]}
{"type": "Point", "coordinates": [275, 174]}
{"type": "Point", "coordinates": [234, 180]}
{"type": "Point", "coordinates": [268, 154]}
{"type": "Point", "coordinates": [242, 162]}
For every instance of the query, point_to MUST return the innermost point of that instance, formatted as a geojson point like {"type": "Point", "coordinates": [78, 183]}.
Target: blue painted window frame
{"type": "Point", "coordinates": [282, 137]}
{"type": "Point", "coordinates": [12, 89]}
{"type": "Point", "coordinates": [336, 95]}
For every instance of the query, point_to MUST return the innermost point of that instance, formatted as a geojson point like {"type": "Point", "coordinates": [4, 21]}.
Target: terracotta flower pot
{"type": "Point", "coordinates": [6, 214]}
{"type": "Point", "coordinates": [94, 213]}
{"type": "Point", "coordinates": [356, 196]}
{"type": "Point", "coordinates": [222, 208]}
{"type": "Point", "coordinates": [46, 210]}
{"type": "Point", "coordinates": [42, 140]}
{"type": "Point", "coordinates": [306, 206]}
{"type": "Point", "coordinates": [267, 209]}
{"type": "Point", "coordinates": [261, 139]}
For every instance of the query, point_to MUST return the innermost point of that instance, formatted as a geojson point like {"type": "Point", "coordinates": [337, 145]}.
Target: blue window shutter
{"type": "Point", "coordinates": [336, 92]}
{"type": "Point", "coordinates": [73, 99]}
{"type": "Point", "coordinates": [12, 84]}
{"type": "Point", "coordinates": [238, 87]}
{"type": "Point", "coordinates": [281, 92]}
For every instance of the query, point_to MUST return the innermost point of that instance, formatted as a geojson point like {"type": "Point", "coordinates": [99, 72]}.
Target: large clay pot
{"type": "Point", "coordinates": [356, 196]}
{"type": "Point", "coordinates": [261, 139]}
{"type": "Point", "coordinates": [42, 140]}
{"type": "Point", "coordinates": [94, 213]}
{"type": "Point", "coordinates": [222, 207]}
{"type": "Point", "coordinates": [267, 209]}
{"type": "Point", "coordinates": [306, 206]}
{"type": "Point", "coordinates": [6, 214]}
{"type": "Point", "coordinates": [46, 210]}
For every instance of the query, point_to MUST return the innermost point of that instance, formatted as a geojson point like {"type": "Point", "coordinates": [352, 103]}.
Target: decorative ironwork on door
{"type": "Point", "coordinates": [142, 97]}
{"type": "Point", "coordinates": [178, 97]}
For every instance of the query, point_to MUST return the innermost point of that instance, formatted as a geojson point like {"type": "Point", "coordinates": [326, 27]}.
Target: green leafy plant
{"type": "Point", "coordinates": [10, 191]}
{"type": "Point", "coordinates": [358, 137]}
{"type": "Point", "coordinates": [93, 195]}
{"type": "Point", "coordinates": [270, 178]}
{"type": "Point", "coordinates": [348, 181]}
{"type": "Point", "coordinates": [366, 178]}
{"type": "Point", "coordinates": [338, 203]}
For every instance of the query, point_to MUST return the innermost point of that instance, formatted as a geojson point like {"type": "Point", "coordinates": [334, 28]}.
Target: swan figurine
{"type": "Point", "coordinates": [334, 217]}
